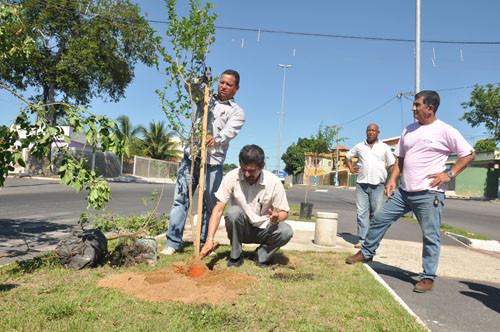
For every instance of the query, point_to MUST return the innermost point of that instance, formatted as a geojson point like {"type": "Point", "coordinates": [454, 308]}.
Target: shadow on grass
{"type": "Point", "coordinates": [34, 264]}
{"type": "Point", "coordinates": [7, 287]}
{"type": "Point", "coordinates": [486, 294]}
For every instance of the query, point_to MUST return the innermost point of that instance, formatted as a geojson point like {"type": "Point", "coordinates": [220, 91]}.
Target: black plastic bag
{"type": "Point", "coordinates": [82, 249]}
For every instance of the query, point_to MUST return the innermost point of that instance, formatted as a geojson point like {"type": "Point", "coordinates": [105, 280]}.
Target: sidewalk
{"type": "Point", "coordinates": [455, 262]}
{"type": "Point", "coordinates": [466, 292]}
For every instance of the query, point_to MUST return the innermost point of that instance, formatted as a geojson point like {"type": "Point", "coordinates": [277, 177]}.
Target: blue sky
{"type": "Point", "coordinates": [334, 81]}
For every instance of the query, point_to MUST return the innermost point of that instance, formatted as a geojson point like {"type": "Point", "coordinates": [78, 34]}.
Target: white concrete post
{"type": "Point", "coordinates": [325, 232]}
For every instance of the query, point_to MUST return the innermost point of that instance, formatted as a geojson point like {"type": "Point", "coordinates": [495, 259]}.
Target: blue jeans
{"type": "Point", "coordinates": [369, 198]}
{"type": "Point", "coordinates": [427, 206]}
{"type": "Point", "coordinates": [178, 213]}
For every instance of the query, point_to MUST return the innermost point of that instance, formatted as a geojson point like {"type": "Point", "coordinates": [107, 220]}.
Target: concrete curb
{"type": "Point", "coordinates": [489, 245]}
{"type": "Point", "coordinates": [396, 296]}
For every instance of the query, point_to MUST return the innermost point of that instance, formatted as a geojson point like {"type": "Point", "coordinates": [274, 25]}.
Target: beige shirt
{"type": "Point", "coordinates": [256, 199]}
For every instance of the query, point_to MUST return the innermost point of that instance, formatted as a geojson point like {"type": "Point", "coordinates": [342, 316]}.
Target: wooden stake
{"type": "Point", "coordinates": [201, 187]}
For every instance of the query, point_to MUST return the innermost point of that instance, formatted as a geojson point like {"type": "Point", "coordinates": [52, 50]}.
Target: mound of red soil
{"type": "Point", "coordinates": [192, 282]}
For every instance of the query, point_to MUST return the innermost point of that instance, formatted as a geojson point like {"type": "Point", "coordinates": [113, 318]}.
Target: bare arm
{"type": "Point", "coordinates": [460, 165]}
{"type": "Point", "coordinates": [348, 163]}
{"type": "Point", "coordinates": [277, 217]}
{"type": "Point", "coordinates": [396, 169]}
{"type": "Point", "coordinates": [213, 224]}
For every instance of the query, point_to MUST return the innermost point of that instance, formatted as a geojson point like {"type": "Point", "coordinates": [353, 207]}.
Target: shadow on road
{"type": "Point", "coordinates": [348, 237]}
{"type": "Point", "coordinates": [395, 272]}
{"type": "Point", "coordinates": [30, 232]}
{"type": "Point", "coordinates": [486, 294]}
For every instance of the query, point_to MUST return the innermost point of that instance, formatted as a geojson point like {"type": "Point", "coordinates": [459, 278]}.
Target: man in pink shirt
{"type": "Point", "coordinates": [421, 154]}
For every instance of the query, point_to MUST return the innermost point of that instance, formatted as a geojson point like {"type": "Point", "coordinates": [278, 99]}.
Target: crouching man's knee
{"type": "Point", "coordinates": [286, 232]}
{"type": "Point", "coordinates": [234, 215]}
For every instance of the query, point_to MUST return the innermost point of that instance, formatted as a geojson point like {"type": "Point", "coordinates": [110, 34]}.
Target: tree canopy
{"type": "Point", "coordinates": [321, 142]}
{"type": "Point", "coordinates": [485, 109]}
{"type": "Point", "coordinates": [32, 128]}
{"type": "Point", "coordinates": [82, 49]}
{"type": "Point", "coordinates": [485, 145]}
{"type": "Point", "coordinates": [157, 142]}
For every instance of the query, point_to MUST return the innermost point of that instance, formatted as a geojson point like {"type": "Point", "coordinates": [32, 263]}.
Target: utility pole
{"type": "Point", "coordinates": [278, 159]}
{"type": "Point", "coordinates": [417, 47]}
{"type": "Point", "coordinates": [337, 160]}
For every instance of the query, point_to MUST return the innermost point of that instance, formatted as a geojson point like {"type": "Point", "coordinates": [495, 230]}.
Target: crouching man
{"type": "Point", "coordinates": [258, 209]}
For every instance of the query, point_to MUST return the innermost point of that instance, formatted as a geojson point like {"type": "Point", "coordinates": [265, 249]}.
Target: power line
{"type": "Point", "coordinates": [307, 34]}
{"type": "Point", "coordinates": [356, 37]}
{"type": "Point", "coordinates": [325, 35]}
{"type": "Point", "coordinates": [368, 113]}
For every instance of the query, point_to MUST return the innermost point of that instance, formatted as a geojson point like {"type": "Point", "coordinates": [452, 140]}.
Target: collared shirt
{"type": "Point", "coordinates": [255, 199]}
{"type": "Point", "coordinates": [425, 149]}
{"type": "Point", "coordinates": [225, 119]}
{"type": "Point", "coordinates": [372, 161]}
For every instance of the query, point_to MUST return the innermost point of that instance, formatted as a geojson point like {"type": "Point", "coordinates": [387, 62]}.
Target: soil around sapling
{"type": "Point", "coordinates": [178, 283]}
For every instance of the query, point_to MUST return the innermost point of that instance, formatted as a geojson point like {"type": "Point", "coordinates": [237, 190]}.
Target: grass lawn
{"type": "Point", "coordinates": [321, 294]}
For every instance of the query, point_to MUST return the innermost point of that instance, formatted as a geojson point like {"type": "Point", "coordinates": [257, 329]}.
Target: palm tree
{"type": "Point", "coordinates": [157, 142]}
{"type": "Point", "coordinates": [125, 128]}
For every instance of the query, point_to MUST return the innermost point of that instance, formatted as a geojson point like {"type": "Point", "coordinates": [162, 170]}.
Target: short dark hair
{"type": "Point", "coordinates": [252, 154]}
{"type": "Point", "coordinates": [430, 98]}
{"type": "Point", "coordinates": [233, 73]}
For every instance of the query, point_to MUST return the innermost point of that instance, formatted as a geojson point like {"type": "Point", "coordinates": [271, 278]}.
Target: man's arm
{"type": "Point", "coordinates": [396, 169]}
{"type": "Point", "coordinates": [460, 165]}
{"type": "Point", "coordinates": [348, 163]}
{"type": "Point", "coordinates": [213, 224]}
{"type": "Point", "coordinates": [277, 217]}
{"type": "Point", "coordinates": [232, 127]}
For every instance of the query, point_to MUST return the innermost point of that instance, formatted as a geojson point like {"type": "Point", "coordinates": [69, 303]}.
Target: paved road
{"type": "Point", "coordinates": [40, 211]}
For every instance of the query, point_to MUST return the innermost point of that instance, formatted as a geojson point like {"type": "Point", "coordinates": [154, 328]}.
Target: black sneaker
{"type": "Point", "coordinates": [262, 265]}
{"type": "Point", "coordinates": [235, 262]}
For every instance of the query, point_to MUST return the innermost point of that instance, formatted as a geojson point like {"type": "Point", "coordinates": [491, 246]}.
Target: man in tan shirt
{"type": "Point", "coordinates": [258, 208]}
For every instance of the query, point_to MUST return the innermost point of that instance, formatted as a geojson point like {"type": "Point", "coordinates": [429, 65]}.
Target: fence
{"type": "Point", "coordinates": [106, 163]}
{"type": "Point", "coordinates": [154, 168]}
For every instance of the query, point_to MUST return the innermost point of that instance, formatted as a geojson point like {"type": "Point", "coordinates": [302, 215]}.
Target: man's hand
{"type": "Point", "coordinates": [207, 249]}
{"type": "Point", "coordinates": [273, 217]}
{"type": "Point", "coordinates": [210, 141]}
{"type": "Point", "coordinates": [390, 188]}
{"type": "Point", "coordinates": [439, 179]}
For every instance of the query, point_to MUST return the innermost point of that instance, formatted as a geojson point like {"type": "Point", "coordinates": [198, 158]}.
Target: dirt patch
{"type": "Point", "coordinates": [133, 253]}
{"type": "Point", "coordinates": [178, 283]}
{"type": "Point", "coordinates": [287, 261]}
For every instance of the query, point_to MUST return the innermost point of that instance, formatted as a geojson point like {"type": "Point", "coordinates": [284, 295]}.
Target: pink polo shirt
{"type": "Point", "coordinates": [425, 149]}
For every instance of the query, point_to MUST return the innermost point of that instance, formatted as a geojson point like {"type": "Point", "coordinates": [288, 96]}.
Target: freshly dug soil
{"type": "Point", "coordinates": [179, 283]}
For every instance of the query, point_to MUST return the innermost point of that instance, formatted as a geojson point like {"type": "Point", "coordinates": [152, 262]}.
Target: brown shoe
{"type": "Point", "coordinates": [358, 258]}
{"type": "Point", "coordinates": [357, 245]}
{"type": "Point", "coordinates": [424, 285]}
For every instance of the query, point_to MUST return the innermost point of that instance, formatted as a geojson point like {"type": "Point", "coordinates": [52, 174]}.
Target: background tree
{"type": "Point", "coordinates": [321, 142]}
{"type": "Point", "coordinates": [157, 142]}
{"type": "Point", "coordinates": [32, 130]}
{"type": "Point", "coordinates": [485, 145]}
{"type": "Point", "coordinates": [485, 109]}
{"type": "Point", "coordinates": [126, 131]}
{"type": "Point", "coordinates": [294, 158]}
{"type": "Point", "coordinates": [228, 167]}
{"type": "Point", "coordinates": [82, 49]}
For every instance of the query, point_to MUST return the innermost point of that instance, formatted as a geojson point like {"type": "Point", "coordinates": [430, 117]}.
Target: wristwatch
{"type": "Point", "coordinates": [450, 174]}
